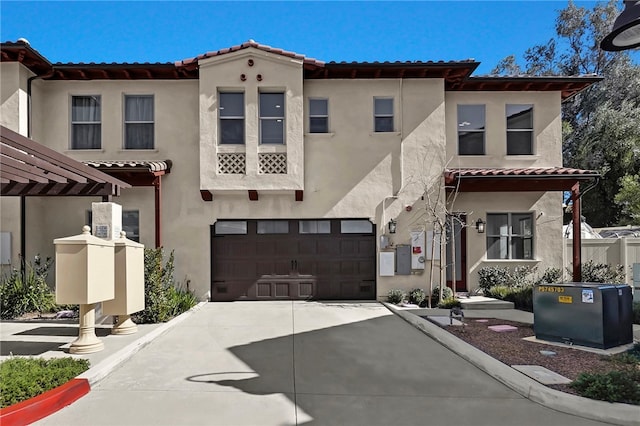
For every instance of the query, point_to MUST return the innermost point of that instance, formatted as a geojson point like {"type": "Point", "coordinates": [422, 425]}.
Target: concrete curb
{"type": "Point", "coordinates": [106, 366]}
{"type": "Point", "coordinates": [621, 414]}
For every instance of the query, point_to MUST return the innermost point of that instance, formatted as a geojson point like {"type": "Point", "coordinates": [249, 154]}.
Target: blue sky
{"type": "Point", "coordinates": [150, 31]}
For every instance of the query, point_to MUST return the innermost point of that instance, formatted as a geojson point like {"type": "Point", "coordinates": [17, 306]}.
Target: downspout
{"type": "Point", "coordinates": [23, 199]}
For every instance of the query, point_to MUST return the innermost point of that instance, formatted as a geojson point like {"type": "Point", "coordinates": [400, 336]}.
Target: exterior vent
{"type": "Point", "coordinates": [273, 164]}
{"type": "Point", "coordinates": [230, 164]}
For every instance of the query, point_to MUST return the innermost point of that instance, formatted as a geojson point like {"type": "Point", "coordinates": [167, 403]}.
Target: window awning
{"type": "Point", "coordinates": [515, 179]}
{"type": "Point", "coordinates": [28, 168]}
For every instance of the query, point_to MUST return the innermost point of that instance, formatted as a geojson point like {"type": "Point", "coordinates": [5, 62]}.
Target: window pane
{"type": "Point", "coordinates": [85, 108]}
{"type": "Point", "coordinates": [229, 227]}
{"type": "Point", "coordinates": [271, 104]}
{"type": "Point", "coordinates": [519, 143]}
{"type": "Point", "coordinates": [138, 108]}
{"type": "Point", "coordinates": [273, 227]}
{"type": "Point", "coordinates": [318, 125]}
{"type": "Point", "coordinates": [497, 224]}
{"type": "Point", "coordinates": [519, 116]}
{"type": "Point", "coordinates": [521, 248]}
{"type": "Point", "coordinates": [131, 224]}
{"type": "Point", "coordinates": [356, 227]}
{"type": "Point", "coordinates": [315, 227]}
{"type": "Point", "coordinates": [383, 106]}
{"type": "Point", "coordinates": [272, 131]}
{"type": "Point", "coordinates": [471, 117]}
{"type": "Point", "coordinates": [232, 131]}
{"type": "Point", "coordinates": [85, 136]}
{"type": "Point", "coordinates": [521, 224]}
{"type": "Point", "coordinates": [497, 248]}
{"type": "Point", "coordinates": [318, 107]}
{"type": "Point", "coordinates": [139, 136]}
{"type": "Point", "coordinates": [384, 124]}
{"type": "Point", "coordinates": [231, 104]}
{"type": "Point", "coordinates": [471, 143]}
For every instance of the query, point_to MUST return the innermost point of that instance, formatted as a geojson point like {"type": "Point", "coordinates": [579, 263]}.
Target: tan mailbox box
{"type": "Point", "coordinates": [84, 275]}
{"type": "Point", "coordinates": [129, 276]}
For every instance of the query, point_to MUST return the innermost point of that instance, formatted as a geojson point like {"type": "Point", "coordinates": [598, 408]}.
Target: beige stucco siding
{"type": "Point", "coordinates": [350, 172]}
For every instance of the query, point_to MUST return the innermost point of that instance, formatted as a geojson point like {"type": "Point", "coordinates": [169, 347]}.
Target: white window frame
{"type": "Point", "coordinates": [80, 123]}
{"type": "Point", "coordinates": [483, 131]}
{"type": "Point", "coordinates": [377, 115]}
{"type": "Point", "coordinates": [528, 130]}
{"type": "Point", "coordinates": [262, 118]}
{"type": "Point", "coordinates": [509, 235]}
{"type": "Point", "coordinates": [152, 122]}
{"type": "Point", "coordinates": [232, 117]}
{"type": "Point", "coordinates": [324, 116]}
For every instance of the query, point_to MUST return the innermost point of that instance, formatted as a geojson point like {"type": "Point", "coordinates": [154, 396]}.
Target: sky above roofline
{"type": "Point", "coordinates": [151, 31]}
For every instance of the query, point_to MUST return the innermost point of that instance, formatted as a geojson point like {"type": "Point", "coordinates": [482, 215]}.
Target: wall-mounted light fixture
{"type": "Point", "coordinates": [392, 226]}
{"type": "Point", "coordinates": [480, 225]}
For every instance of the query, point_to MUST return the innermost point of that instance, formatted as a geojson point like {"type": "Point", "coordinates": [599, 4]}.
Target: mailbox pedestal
{"type": "Point", "coordinates": [84, 276]}
{"type": "Point", "coordinates": [129, 285]}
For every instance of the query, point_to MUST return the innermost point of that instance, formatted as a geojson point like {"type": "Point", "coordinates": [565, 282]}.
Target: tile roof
{"type": "Point", "coordinates": [537, 172]}
{"type": "Point", "coordinates": [151, 166]}
{"type": "Point", "coordinates": [245, 45]}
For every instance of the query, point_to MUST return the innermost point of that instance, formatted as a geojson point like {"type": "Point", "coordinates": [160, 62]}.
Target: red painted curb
{"type": "Point", "coordinates": [41, 406]}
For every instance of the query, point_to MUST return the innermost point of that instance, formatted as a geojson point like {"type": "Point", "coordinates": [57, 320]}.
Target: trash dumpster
{"type": "Point", "coordinates": [586, 314]}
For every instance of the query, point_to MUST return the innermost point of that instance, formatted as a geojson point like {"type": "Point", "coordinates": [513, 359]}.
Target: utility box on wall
{"type": "Point", "coordinates": [403, 260]}
{"type": "Point", "coordinates": [418, 257]}
{"type": "Point", "coordinates": [586, 314]}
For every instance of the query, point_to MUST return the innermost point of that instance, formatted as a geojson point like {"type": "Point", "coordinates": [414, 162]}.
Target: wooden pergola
{"type": "Point", "coordinates": [28, 168]}
{"type": "Point", "coordinates": [540, 179]}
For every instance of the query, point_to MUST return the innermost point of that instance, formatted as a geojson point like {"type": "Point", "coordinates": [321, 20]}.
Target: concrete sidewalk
{"type": "Point", "coordinates": [294, 363]}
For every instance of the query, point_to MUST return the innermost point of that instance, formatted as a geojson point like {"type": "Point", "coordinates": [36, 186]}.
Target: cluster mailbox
{"type": "Point", "coordinates": [129, 284]}
{"type": "Point", "coordinates": [84, 269]}
{"type": "Point", "coordinates": [587, 314]}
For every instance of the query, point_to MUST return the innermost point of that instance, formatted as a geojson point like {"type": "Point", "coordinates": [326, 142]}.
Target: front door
{"type": "Point", "coordinates": [457, 252]}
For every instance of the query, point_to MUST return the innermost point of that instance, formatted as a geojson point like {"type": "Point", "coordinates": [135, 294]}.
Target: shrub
{"type": "Point", "coordinates": [417, 296]}
{"type": "Point", "coordinates": [613, 386]}
{"type": "Point", "coordinates": [522, 297]}
{"type": "Point", "coordinates": [162, 299]}
{"type": "Point", "coordinates": [550, 276]}
{"type": "Point", "coordinates": [395, 296]}
{"type": "Point", "coordinates": [448, 303]}
{"type": "Point", "coordinates": [491, 276]}
{"type": "Point", "coordinates": [447, 293]}
{"type": "Point", "coordinates": [24, 378]}
{"type": "Point", "coordinates": [636, 312]}
{"type": "Point", "coordinates": [29, 293]}
{"type": "Point", "coordinates": [602, 273]}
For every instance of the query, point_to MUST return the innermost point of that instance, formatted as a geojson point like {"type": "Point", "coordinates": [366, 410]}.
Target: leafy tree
{"type": "Point", "coordinates": [629, 197]}
{"type": "Point", "coordinates": [601, 125]}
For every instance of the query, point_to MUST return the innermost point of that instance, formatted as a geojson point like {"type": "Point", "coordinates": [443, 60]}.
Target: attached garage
{"type": "Point", "coordinates": [293, 259]}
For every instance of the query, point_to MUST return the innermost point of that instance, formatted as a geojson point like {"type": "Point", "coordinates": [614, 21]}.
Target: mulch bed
{"type": "Point", "coordinates": [510, 348]}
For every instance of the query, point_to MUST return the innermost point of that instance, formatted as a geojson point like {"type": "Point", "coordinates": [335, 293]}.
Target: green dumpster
{"type": "Point", "coordinates": [586, 314]}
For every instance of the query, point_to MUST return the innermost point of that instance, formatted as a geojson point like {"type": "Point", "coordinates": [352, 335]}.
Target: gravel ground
{"type": "Point", "coordinates": [511, 348]}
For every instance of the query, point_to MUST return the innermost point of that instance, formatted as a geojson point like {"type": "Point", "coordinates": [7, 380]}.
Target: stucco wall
{"type": "Point", "coordinates": [13, 115]}
{"type": "Point", "coordinates": [350, 172]}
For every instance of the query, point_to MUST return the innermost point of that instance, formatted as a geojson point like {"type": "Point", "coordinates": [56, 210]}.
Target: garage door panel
{"type": "Point", "coordinates": [272, 267]}
{"type": "Point", "coordinates": [293, 266]}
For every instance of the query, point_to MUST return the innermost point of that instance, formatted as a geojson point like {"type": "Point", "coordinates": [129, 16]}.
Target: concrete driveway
{"type": "Point", "coordinates": [300, 363]}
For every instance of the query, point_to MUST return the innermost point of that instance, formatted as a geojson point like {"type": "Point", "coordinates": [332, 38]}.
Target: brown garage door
{"type": "Point", "coordinates": [292, 259]}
